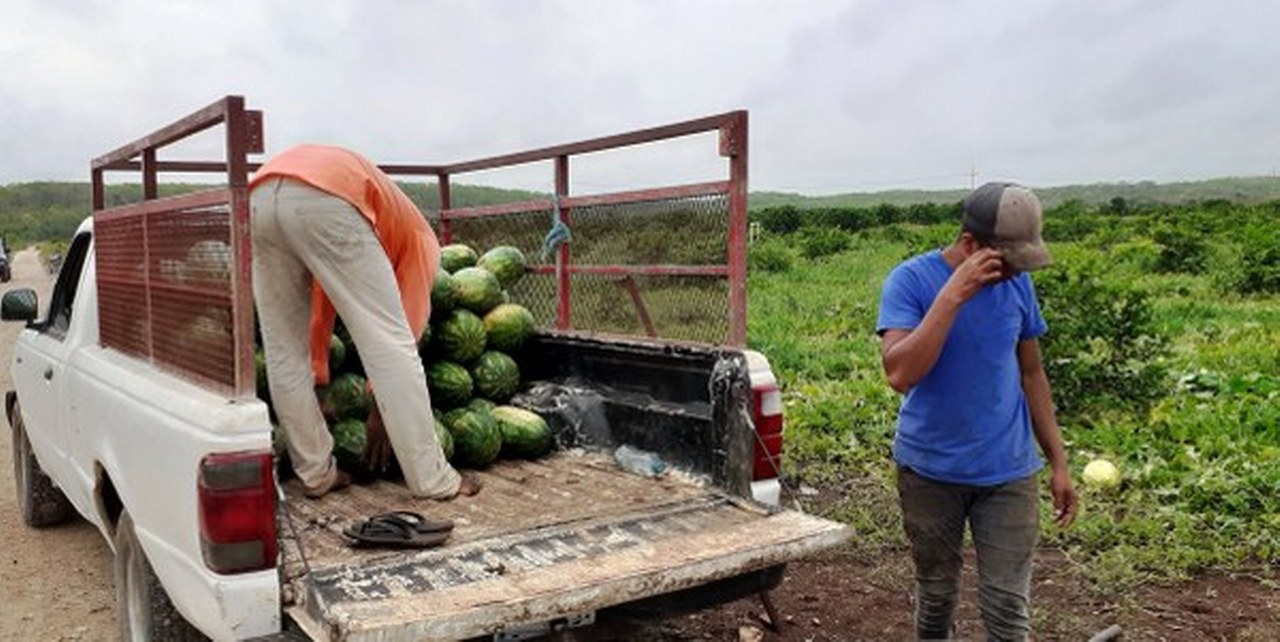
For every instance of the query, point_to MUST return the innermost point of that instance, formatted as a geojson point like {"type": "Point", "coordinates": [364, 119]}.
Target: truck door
{"type": "Point", "coordinates": [39, 371]}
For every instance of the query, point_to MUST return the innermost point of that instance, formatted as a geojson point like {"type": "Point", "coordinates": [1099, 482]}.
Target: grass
{"type": "Point", "coordinates": [1201, 468]}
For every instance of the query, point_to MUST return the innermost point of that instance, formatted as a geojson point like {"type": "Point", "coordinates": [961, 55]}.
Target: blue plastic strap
{"type": "Point", "coordinates": [559, 232]}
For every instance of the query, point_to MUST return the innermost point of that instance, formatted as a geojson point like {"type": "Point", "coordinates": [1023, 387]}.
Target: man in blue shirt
{"type": "Point", "coordinates": [958, 329]}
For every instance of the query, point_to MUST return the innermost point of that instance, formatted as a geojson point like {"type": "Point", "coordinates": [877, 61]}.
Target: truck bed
{"type": "Point", "coordinates": [548, 539]}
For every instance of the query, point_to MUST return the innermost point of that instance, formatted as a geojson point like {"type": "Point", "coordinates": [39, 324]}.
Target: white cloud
{"type": "Point", "coordinates": [843, 96]}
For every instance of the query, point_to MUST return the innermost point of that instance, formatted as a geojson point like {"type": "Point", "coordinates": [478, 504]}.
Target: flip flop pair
{"type": "Point", "coordinates": [399, 529]}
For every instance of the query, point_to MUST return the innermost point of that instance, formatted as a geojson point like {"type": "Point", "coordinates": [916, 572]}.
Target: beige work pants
{"type": "Point", "coordinates": [300, 232]}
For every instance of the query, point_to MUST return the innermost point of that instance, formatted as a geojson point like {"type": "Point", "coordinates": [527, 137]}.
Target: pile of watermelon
{"type": "Point", "coordinates": [468, 351]}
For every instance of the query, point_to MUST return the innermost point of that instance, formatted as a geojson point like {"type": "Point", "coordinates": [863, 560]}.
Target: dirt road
{"type": "Point", "coordinates": [55, 583]}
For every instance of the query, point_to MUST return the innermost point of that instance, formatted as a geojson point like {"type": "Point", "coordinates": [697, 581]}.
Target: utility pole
{"type": "Point", "coordinates": [973, 176]}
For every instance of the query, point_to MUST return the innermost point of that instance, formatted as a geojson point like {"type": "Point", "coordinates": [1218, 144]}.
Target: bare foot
{"type": "Point", "coordinates": [339, 481]}
{"type": "Point", "coordinates": [470, 485]}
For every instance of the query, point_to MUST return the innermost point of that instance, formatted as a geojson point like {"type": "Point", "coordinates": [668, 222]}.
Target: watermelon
{"type": "Point", "coordinates": [337, 353]}
{"type": "Point", "coordinates": [525, 434]}
{"type": "Point", "coordinates": [505, 262]}
{"type": "Point", "coordinates": [260, 375]}
{"type": "Point", "coordinates": [495, 375]}
{"type": "Point", "coordinates": [509, 325]}
{"type": "Point", "coordinates": [444, 294]}
{"type": "Point", "coordinates": [350, 357]}
{"type": "Point", "coordinates": [455, 256]}
{"type": "Point", "coordinates": [476, 438]}
{"type": "Point", "coordinates": [480, 404]}
{"type": "Point", "coordinates": [478, 289]}
{"type": "Point", "coordinates": [347, 397]}
{"type": "Point", "coordinates": [349, 439]}
{"type": "Point", "coordinates": [461, 336]}
{"type": "Point", "coordinates": [449, 384]}
{"type": "Point", "coordinates": [444, 438]}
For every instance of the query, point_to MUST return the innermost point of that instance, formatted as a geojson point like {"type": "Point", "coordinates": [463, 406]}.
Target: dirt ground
{"type": "Point", "coordinates": [56, 584]}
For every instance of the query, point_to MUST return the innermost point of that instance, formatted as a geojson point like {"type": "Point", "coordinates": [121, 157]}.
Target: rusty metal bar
{"type": "Point", "coordinates": [645, 270]}
{"type": "Point", "coordinates": [446, 201]}
{"type": "Point", "coordinates": [149, 188]}
{"type": "Point", "coordinates": [182, 128]}
{"type": "Point", "coordinates": [564, 310]}
{"type": "Point", "coordinates": [616, 198]}
{"type": "Point", "coordinates": [243, 134]}
{"type": "Point", "coordinates": [411, 170]}
{"type": "Point", "coordinates": [191, 200]}
{"type": "Point", "coordinates": [733, 143]}
{"type": "Point", "coordinates": [629, 284]}
{"type": "Point", "coordinates": [674, 130]}
{"type": "Point", "coordinates": [99, 193]}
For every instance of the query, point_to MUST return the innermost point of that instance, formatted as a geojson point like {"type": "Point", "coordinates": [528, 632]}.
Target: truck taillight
{"type": "Point", "coordinates": [238, 512]}
{"type": "Point", "coordinates": [767, 414]}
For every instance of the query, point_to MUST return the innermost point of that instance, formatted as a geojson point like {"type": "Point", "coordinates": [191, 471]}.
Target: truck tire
{"type": "Point", "coordinates": [41, 502]}
{"type": "Point", "coordinates": [142, 607]}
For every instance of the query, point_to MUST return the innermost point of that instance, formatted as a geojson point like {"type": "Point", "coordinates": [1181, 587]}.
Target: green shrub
{"type": "Point", "coordinates": [1182, 248]}
{"type": "Point", "coordinates": [1103, 348]}
{"type": "Point", "coordinates": [1254, 268]}
{"type": "Point", "coordinates": [817, 242]}
{"type": "Point", "coordinates": [770, 256]}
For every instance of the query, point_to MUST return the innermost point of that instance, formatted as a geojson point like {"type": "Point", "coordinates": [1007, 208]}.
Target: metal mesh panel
{"type": "Point", "coordinates": [165, 290]}
{"type": "Point", "coordinates": [651, 267]}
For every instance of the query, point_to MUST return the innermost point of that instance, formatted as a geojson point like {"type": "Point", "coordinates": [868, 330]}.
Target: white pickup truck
{"type": "Point", "coordinates": [134, 410]}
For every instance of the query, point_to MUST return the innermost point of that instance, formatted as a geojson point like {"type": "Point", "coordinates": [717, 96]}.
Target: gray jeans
{"type": "Point", "coordinates": [1005, 524]}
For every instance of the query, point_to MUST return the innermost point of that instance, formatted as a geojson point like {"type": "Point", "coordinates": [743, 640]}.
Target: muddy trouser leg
{"type": "Point", "coordinates": [934, 514]}
{"type": "Point", "coordinates": [338, 246]}
{"type": "Point", "coordinates": [282, 288]}
{"type": "Point", "coordinates": [1006, 525]}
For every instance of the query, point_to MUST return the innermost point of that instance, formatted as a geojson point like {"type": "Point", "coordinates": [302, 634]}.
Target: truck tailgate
{"type": "Point", "coordinates": [547, 539]}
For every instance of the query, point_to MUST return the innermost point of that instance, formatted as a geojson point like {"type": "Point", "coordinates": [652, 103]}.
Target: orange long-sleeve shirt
{"type": "Point", "coordinates": [402, 230]}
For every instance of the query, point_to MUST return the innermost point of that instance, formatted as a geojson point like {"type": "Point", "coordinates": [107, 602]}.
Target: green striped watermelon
{"type": "Point", "coordinates": [476, 438]}
{"type": "Point", "coordinates": [495, 375]}
{"type": "Point", "coordinates": [455, 256]}
{"type": "Point", "coordinates": [525, 434]}
{"type": "Point", "coordinates": [449, 384]}
{"type": "Point", "coordinates": [509, 325]}
{"type": "Point", "coordinates": [444, 294]}
{"type": "Point", "coordinates": [478, 289]}
{"type": "Point", "coordinates": [460, 336]}
{"type": "Point", "coordinates": [505, 262]}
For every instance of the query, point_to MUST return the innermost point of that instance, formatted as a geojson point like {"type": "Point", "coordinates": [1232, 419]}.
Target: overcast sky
{"type": "Point", "coordinates": [854, 95]}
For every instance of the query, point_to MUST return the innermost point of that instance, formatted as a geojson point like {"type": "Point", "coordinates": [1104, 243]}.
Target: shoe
{"type": "Point", "coordinates": [394, 530]}
{"type": "Point", "coordinates": [341, 479]}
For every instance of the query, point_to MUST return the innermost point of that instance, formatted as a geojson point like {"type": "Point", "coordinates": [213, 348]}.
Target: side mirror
{"type": "Point", "coordinates": [19, 305]}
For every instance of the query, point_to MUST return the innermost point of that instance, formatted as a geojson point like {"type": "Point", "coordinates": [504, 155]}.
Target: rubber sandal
{"type": "Point", "coordinates": [391, 532]}
{"type": "Point", "coordinates": [419, 522]}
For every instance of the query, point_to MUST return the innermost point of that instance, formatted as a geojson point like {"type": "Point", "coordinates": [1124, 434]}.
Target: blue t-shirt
{"type": "Point", "coordinates": [967, 421]}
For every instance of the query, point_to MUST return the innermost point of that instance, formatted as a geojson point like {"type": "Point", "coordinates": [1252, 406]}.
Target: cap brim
{"type": "Point", "coordinates": [1025, 257]}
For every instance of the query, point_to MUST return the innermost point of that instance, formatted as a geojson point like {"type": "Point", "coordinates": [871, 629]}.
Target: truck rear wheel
{"type": "Point", "coordinates": [143, 608]}
{"type": "Point", "coordinates": [40, 501]}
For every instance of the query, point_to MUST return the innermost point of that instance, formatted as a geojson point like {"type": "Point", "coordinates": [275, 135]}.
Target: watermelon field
{"type": "Point", "coordinates": [1163, 350]}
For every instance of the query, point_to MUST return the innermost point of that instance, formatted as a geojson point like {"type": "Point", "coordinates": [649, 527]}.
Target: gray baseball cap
{"type": "Point", "coordinates": [1009, 217]}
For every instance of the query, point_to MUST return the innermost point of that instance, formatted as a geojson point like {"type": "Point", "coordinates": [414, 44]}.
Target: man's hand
{"type": "Point", "coordinates": [1065, 501]}
{"type": "Point", "coordinates": [377, 447]}
{"type": "Point", "coordinates": [984, 266]}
